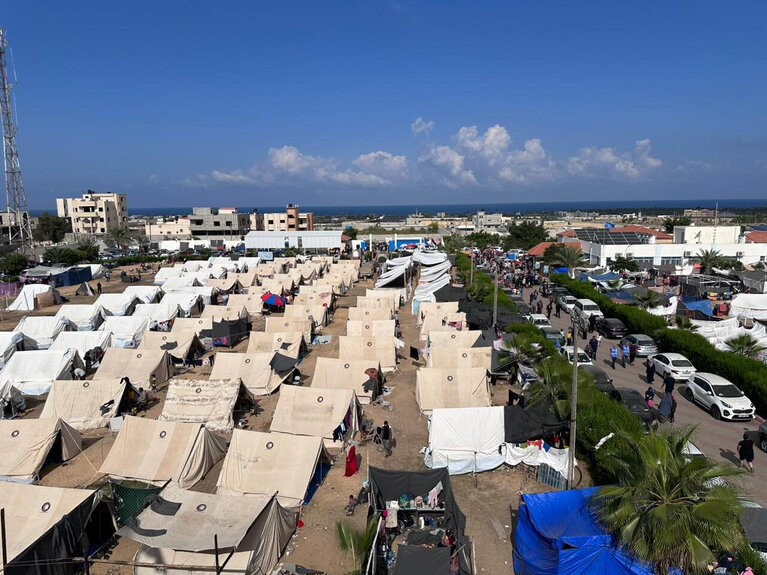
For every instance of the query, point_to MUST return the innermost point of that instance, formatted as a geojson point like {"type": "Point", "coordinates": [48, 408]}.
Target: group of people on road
{"type": "Point", "coordinates": [627, 354]}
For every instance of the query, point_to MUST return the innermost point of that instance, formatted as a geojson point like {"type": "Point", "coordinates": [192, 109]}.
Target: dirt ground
{"type": "Point", "coordinates": [486, 499]}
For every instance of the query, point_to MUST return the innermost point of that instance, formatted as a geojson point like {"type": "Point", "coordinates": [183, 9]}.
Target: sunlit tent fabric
{"type": "Point", "coordinates": [202, 327]}
{"type": "Point", "coordinates": [290, 344]}
{"type": "Point", "coordinates": [40, 331]}
{"type": "Point", "coordinates": [749, 305]}
{"type": "Point", "coordinates": [435, 308]}
{"type": "Point", "coordinates": [246, 279]}
{"type": "Point", "coordinates": [463, 338]}
{"type": "Point", "coordinates": [181, 283]}
{"type": "Point", "coordinates": [393, 276]}
{"type": "Point", "coordinates": [209, 402]}
{"type": "Point", "coordinates": [268, 463]}
{"type": "Point", "coordinates": [458, 387]}
{"type": "Point", "coordinates": [25, 301]}
{"type": "Point", "coordinates": [158, 451]}
{"type": "Point", "coordinates": [33, 372]}
{"type": "Point", "coordinates": [180, 345]}
{"type": "Point", "coordinates": [184, 301]}
{"type": "Point", "coordinates": [156, 312]}
{"type": "Point", "coordinates": [325, 298]}
{"type": "Point", "coordinates": [84, 404]}
{"type": "Point", "coordinates": [138, 365]}
{"type": "Point", "coordinates": [118, 304]}
{"type": "Point", "coordinates": [146, 294]}
{"type": "Point", "coordinates": [85, 317]}
{"type": "Point", "coordinates": [251, 302]}
{"type": "Point", "coordinates": [82, 341]}
{"type": "Point", "coordinates": [397, 294]}
{"type": "Point", "coordinates": [442, 322]}
{"type": "Point", "coordinates": [224, 312]}
{"type": "Point", "coordinates": [380, 349]}
{"type": "Point", "coordinates": [358, 375]}
{"type": "Point", "coordinates": [460, 357]}
{"type": "Point", "coordinates": [318, 313]}
{"type": "Point", "coordinates": [317, 412]}
{"type": "Point", "coordinates": [377, 301]}
{"type": "Point", "coordinates": [98, 271]}
{"type": "Point", "coordinates": [127, 331]}
{"type": "Point", "coordinates": [256, 370]}
{"type": "Point", "coordinates": [557, 534]}
{"type": "Point", "coordinates": [164, 274]}
{"type": "Point", "coordinates": [288, 325]}
{"type": "Point", "coordinates": [257, 533]}
{"type": "Point", "coordinates": [375, 328]}
{"type": "Point", "coordinates": [369, 314]}
{"type": "Point", "coordinates": [9, 342]}
{"type": "Point", "coordinates": [227, 284]}
{"type": "Point", "coordinates": [28, 442]}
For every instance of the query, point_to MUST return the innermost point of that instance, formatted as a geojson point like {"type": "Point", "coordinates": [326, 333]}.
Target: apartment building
{"type": "Point", "coordinates": [218, 224]}
{"type": "Point", "coordinates": [94, 213]}
{"type": "Point", "coordinates": [292, 219]}
{"type": "Point", "coordinates": [178, 228]}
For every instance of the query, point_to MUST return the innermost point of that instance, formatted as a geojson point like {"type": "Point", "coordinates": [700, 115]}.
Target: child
{"type": "Point", "coordinates": [649, 396]}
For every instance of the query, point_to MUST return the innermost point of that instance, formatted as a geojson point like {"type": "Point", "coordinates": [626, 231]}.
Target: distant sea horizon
{"type": "Point", "coordinates": [470, 208]}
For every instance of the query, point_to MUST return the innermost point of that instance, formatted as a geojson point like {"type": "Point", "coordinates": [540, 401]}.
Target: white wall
{"type": "Point", "coordinates": [706, 234]}
{"type": "Point", "coordinates": [598, 254]}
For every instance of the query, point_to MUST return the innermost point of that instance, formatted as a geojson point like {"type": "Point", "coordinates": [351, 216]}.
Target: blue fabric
{"type": "Point", "coordinates": [557, 534]}
{"type": "Point", "coordinates": [702, 305]}
{"type": "Point", "coordinates": [609, 225]}
{"type": "Point", "coordinates": [560, 270]}
{"type": "Point", "coordinates": [606, 277]}
{"type": "Point", "coordinates": [319, 476]}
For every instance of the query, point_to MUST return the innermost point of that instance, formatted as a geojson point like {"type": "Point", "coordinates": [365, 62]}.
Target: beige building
{"type": "Point", "coordinates": [292, 219]}
{"type": "Point", "coordinates": [94, 213]}
{"type": "Point", "coordinates": [168, 229]}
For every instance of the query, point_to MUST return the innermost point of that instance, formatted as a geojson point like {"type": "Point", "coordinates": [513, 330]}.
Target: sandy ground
{"type": "Point", "coordinates": [487, 499]}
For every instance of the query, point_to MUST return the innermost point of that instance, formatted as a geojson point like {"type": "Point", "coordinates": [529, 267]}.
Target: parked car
{"type": "Point", "coordinates": [674, 364]}
{"type": "Point", "coordinates": [642, 344]}
{"type": "Point", "coordinates": [637, 406]}
{"type": "Point", "coordinates": [611, 327]}
{"type": "Point", "coordinates": [553, 334]}
{"type": "Point", "coordinates": [537, 319]}
{"type": "Point", "coordinates": [558, 290]}
{"type": "Point", "coordinates": [602, 381]}
{"type": "Point", "coordinates": [568, 352]}
{"type": "Point", "coordinates": [582, 310]}
{"type": "Point", "coordinates": [763, 436]}
{"type": "Point", "coordinates": [721, 398]}
{"type": "Point", "coordinates": [566, 301]}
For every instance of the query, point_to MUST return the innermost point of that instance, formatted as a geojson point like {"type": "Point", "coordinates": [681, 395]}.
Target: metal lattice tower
{"type": "Point", "coordinates": [19, 230]}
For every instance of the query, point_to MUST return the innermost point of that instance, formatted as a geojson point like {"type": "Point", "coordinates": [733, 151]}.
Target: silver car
{"type": "Point", "coordinates": [643, 344]}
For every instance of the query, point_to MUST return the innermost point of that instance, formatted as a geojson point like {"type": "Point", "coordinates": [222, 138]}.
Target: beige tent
{"type": "Point", "coordinates": [179, 345]}
{"type": "Point", "coordinates": [246, 279]}
{"type": "Point", "coordinates": [257, 533]}
{"type": "Point", "coordinates": [228, 284]}
{"type": "Point", "coordinates": [27, 442]}
{"type": "Point", "coordinates": [352, 374]}
{"type": "Point", "coordinates": [454, 357]}
{"type": "Point", "coordinates": [319, 313]}
{"type": "Point", "coordinates": [453, 338]}
{"type": "Point", "coordinates": [250, 301]}
{"type": "Point", "coordinates": [285, 263]}
{"type": "Point", "coordinates": [435, 308]}
{"type": "Point", "coordinates": [224, 312]}
{"type": "Point", "coordinates": [84, 404]}
{"type": "Point", "coordinates": [319, 298]}
{"type": "Point", "coordinates": [268, 463]}
{"type": "Point", "coordinates": [254, 369]}
{"type": "Point", "coordinates": [380, 349]}
{"type": "Point", "coordinates": [369, 314]}
{"type": "Point", "coordinates": [158, 451]}
{"type": "Point", "coordinates": [210, 402]}
{"type": "Point", "coordinates": [314, 289]}
{"type": "Point", "coordinates": [334, 282]}
{"type": "Point", "coordinates": [442, 322]}
{"type": "Point", "coordinates": [201, 327]}
{"type": "Point", "coordinates": [288, 325]}
{"type": "Point", "coordinates": [317, 412]}
{"type": "Point", "coordinates": [375, 302]}
{"type": "Point", "coordinates": [375, 328]}
{"type": "Point", "coordinates": [308, 272]}
{"type": "Point", "coordinates": [137, 365]}
{"type": "Point", "coordinates": [464, 387]}
{"type": "Point", "coordinates": [398, 294]}
{"type": "Point", "coordinates": [279, 284]}
{"type": "Point", "coordinates": [289, 344]}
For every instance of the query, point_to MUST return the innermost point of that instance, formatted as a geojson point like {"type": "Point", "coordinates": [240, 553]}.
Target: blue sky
{"type": "Point", "coordinates": [390, 102]}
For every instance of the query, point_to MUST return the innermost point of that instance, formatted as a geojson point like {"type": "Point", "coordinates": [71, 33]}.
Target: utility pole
{"type": "Point", "coordinates": [495, 297]}
{"type": "Point", "coordinates": [471, 273]}
{"type": "Point", "coordinates": [573, 411]}
{"type": "Point", "coordinates": [19, 228]}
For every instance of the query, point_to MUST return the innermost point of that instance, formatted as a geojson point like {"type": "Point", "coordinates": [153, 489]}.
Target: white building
{"type": "Point", "coordinates": [300, 240]}
{"type": "Point", "coordinates": [707, 234]}
{"type": "Point", "coordinates": [94, 213]}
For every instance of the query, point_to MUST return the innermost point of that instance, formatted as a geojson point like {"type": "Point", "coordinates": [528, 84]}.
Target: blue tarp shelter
{"type": "Point", "coordinates": [561, 270]}
{"type": "Point", "coordinates": [704, 306]}
{"type": "Point", "coordinates": [556, 534]}
{"type": "Point", "coordinates": [609, 276]}
{"type": "Point", "coordinates": [62, 276]}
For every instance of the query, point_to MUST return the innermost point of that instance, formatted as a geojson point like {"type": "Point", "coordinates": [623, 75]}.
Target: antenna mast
{"type": "Point", "coordinates": [19, 229]}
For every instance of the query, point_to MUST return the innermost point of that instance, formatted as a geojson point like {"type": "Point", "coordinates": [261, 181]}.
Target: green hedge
{"type": "Point", "coordinates": [463, 264]}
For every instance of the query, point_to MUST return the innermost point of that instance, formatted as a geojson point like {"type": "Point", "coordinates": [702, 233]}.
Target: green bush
{"type": "Point", "coordinates": [482, 284]}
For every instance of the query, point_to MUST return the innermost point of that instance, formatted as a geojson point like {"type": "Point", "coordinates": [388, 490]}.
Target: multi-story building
{"type": "Point", "coordinates": [292, 219]}
{"type": "Point", "coordinates": [489, 222]}
{"type": "Point", "coordinates": [218, 224]}
{"type": "Point", "coordinates": [94, 213]}
{"type": "Point", "coordinates": [177, 228]}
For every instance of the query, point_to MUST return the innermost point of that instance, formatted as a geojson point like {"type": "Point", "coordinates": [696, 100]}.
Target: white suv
{"type": "Point", "coordinates": [674, 364]}
{"type": "Point", "coordinates": [538, 319]}
{"type": "Point", "coordinates": [721, 398]}
{"type": "Point", "coordinates": [582, 310]}
{"type": "Point", "coordinates": [568, 352]}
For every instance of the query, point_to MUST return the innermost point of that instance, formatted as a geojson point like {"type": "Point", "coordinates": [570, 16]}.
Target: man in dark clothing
{"type": "Point", "coordinates": [558, 309]}
{"type": "Point", "coordinates": [746, 452]}
{"type": "Point", "coordinates": [668, 384]}
{"type": "Point", "coordinates": [98, 287]}
{"type": "Point", "coordinates": [592, 323]}
{"type": "Point", "coordinates": [548, 310]}
{"type": "Point", "coordinates": [593, 345]}
{"type": "Point", "coordinates": [386, 438]}
{"type": "Point", "coordinates": [650, 372]}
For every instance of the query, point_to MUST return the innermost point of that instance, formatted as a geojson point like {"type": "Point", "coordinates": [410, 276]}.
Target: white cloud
{"type": "Point", "coordinates": [383, 164]}
{"type": "Point", "coordinates": [605, 162]}
{"type": "Point", "coordinates": [447, 164]}
{"type": "Point", "coordinates": [421, 127]}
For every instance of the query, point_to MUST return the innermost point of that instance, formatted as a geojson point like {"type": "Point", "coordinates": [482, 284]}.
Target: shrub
{"type": "Point", "coordinates": [482, 286]}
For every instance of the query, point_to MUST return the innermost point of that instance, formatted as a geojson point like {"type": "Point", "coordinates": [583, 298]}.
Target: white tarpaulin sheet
{"type": "Point", "coordinates": [156, 312]}
{"type": "Point", "coordinates": [117, 303]}
{"type": "Point", "coordinates": [40, 331]}
{"type": "Point", "coordinates": [127, 331]}
{"type": "Point", "coordinates": [145, 294]}
{"type": "Point", "coordinates": [749, 305]}
{"type": "Point", "coordinates": [82, 341]}
{"type": "Point", "coordinates": [184, 301]}
{"type": "Point", "coordinates": [9, 340]}
{"type": "Point", "coordinates": [85, 317]}
{"type": "Point", "coordinates": [202, 401]}
{"type": "Point", "coordinates": [665, 310]}
{"type": "Point", "coordinates": [33, 372]}
{"type": "Point", "coordinates": [718, 333]}
{"type": "Point", "coordinates": [164, 274]}
{"type": "Point", "coordinates": [25, 301]}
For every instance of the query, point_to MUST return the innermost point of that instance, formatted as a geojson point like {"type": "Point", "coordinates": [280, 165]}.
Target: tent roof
{"type": "Point", "coordinates": [461, 387]}
{"type": "Point", "coordinates": [138, 365]}
{"type": "Point", "coordinates": [116, 303]}
{"type": "Point", "coordinates": [79, 403]}
{"type": "Point", "coordinates": [79, 314]}
{"type": "Point", "coordinates": [195, 324]}
{"type": "Point", "coordinates": [311, 411]}
{"type": "Point", "coordinates": [380, 349]}
{"type": "Point", "coordinates": [33, 372]}
{"type": "Point", "coordinates": [178, 344]}
{"type": "Point", "coordinates": [158, 312]}
{"type": "Point", "coordinates": [375, 328]}
{"type": "Point", "coordinates": [82, 341]}
{"type": "Point", "coordinates": [209, 402]}
{"type": "Point", "coordinates": [126, 327]}
{"type": "Point", "coordinates": [254, 369]}
{"type": "Point", "coordinates": [460, 357]}
{"type": "Point", "coordinates": [346, 374]}
{"type": "Point", "coordinates": [26, 443]}
{"type": "Point", "coordinates": [224, 312]}
{"type": "Point", "coordinates": [289, 344]}
{"type": "Point", "coordinates": [369, 314]}
{"type": "Point", "coordinates": [455, 338]}
{"type": "Point", "coordinates": [251, 302]}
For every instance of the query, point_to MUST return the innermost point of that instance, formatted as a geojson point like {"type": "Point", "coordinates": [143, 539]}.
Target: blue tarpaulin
{"type": "Point", "coordinates": [557, 534]}
{"type": "Point", "coordinates": [609, 276]}
{"type": "Point", "coordinates": [702, 305]}
{"type": "Point", "coordinates": [561, 270]}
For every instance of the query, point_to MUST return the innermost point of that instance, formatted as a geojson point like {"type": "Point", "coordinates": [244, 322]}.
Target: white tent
{"type": "Point", "coordinates": [33, 372]}
{"type": "Point", "coordinates": [460, 357]}
{"type": "Point", "coordinates": [98, 271]}
{"type": "Point", "coordinates": [146, 294]}
{"type": "Point", "coordinates": [459, 387]}
{"type": "Point", "coordinates": [184, 301]}
{"type": "Point", "coordinates": [358, 375]}
{"type": "Point", "coordinates": [25, 301]}
{"type": "Point", "coordinates": [393, 274]}
{"type": "Point", "coordinates": [85, 317]}
{"type": "Point", "coordinates": [158, 451]}
{"type": "Point", "coordinates": [381, 349]}
{"type": "Point", "coordinates": [9, 342]}
{"type": "Point", "coordinates": [254, 369]}
{"type": "Point", "coordinates": [27, 442]}
{"type": "Point", "coordinates": [375, 328]}
{"type": "Point", "coordinates": [127, 332]}
{"type": "Point", "coordinates": [749, 305]}
{"type": "Point", "coordinates": [82, 341]}
{"type": "Point", "coordinates": [454, 338]}
{"type": "Point", "coordinates": [156, 312]}
{"type": "Point", "coordinates": [436, 308]}
{"type": "Point", "coordinates": [209, 402]}
{"type": "Point", "coordinates": [369, 314]}
{"type": "Point", "coordinates": [180, 283]}
{"type": "Point", "coordinates": [442, 322]}
{"type": "Point", "coordinates": [118, 304]}
{"type": "Point", "coordinates": [138, 365]}
{"type": "Point", "coordinates": [718, 333]}
{"type": "Point", "coordinates": [206, 293]}
{"type": "Point", "coordinates": [164, 274]}
{"type": "Point", "coordinates": [40, 331]}
{"type": "Point", "coordinates": [84, 404]}
{"type": "Point", "coordinates": [288, 344]}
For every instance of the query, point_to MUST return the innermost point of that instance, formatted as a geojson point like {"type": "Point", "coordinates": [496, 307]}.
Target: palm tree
{"type": "Point", "coordinates": [142, 241]}
{"type": "Point", "coordinates": [55, 255]}
{"type": "Point", "coordinates": [614, 285]}
{"type": "Point", "coordinates": [746, 345]}
{"type": "Point", "coordinates": [523, 349]}
{"type": "Point", "coordinates": [562, 255]}
{"type": "Point", "coordinates": [117, 237]}
{"type": "Point", "coordinates": [684, 322]}
{"type": "Point", "coordinates": [708, 260]}
{"type": "Point", "coordinates": [356, 542]}
{"type": "Point", "coordinates": [648, 300]}
{"type": "Point", "coordinates": [553, 387]}
{"type": "Point", "coordinates": [667, 508]}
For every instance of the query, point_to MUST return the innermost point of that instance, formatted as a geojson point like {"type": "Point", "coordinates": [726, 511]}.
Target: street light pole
{"type": "Point", "coordinates": [495, 298]}
{"type": "Point", "coordinates": [573, 411]}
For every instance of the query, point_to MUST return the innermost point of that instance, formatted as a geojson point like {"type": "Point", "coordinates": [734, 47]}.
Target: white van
{"type": "Point", "coordinates": [583, 309]}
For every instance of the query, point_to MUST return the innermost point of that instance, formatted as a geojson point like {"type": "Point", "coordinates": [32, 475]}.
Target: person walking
{"type": "Point", "coordinates": [632, 354]}
{"type": "Point", "coordinates": [386, 436]}
{"type": "Point", "coordinates": [540, 306]}
{"type": "Point", "coordinates": [549, 307]}
{"type": "Point", "coordinates": [613, 355]}
{"type": "Point", "coordinates": [592, 323]}
{"type": "Point", "coordinates": [98, 287]}
{"type": "Point", "coordinates": [558, 309]}
{"type": "Point", "coordinates": [569, 336]}
{"type": "Point", "coordinates": [593, 345]}
{"type": "Point", "coordinates": [668, 384]}
{"type": "Point", "coordinates": [624, 354]}
{"type": "Point", "coordinates": [650, 372]}
{"type": "Point", "coordinates": [746, 452]}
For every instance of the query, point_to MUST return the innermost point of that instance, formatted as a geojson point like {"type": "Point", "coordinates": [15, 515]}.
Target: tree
{"type": "Point", "coordinates": [621, 262]}
{"type": "Point", "coordinates": [14, 264]}
{"type": "Point", "coordinates": [648, 300]}
{"type": "Point", "coordinates": [562, 255]}
{"type": "Point", "coordinates": [117, 237]}
{"type": "Point", "coordinates": [62, 256]}
{"type": "Point", "coordinates": [685, 323]}
{"type": "Point", "coordinates": [356, 542]}
{"type": "Point", "coordinates": [142, 241]}
{"type": "Point", "coordinates": [746, 345]}
{"type": "Point", "coordinates": [525, 235]}
{"type": "Point", "coordinates": [51, 228]}
{"type": "Point", "coordinates": [553, 387]}
{"type": "Point", "coordinates": [669, 223]}
{"type": "Point", "coordinates": [88, 248]}
{"type": "Point", "coordinates": [479, 290]}
{"type": "Point", "coordinates": [433, 228]}
{"type": "Point", "coordinates": [758, 266]}
{"type": "Point", "coordinates": [709, 259]}
{"type": "Point", "coordinates": [667, 508]}
{"type": "Point", "coordinates": [352, 232]}
{"type": "Point", "coordinates": [614, 285]}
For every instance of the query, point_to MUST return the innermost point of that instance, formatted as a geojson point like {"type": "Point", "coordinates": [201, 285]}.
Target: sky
{"type": "Point", "coordinates": [389, 101]}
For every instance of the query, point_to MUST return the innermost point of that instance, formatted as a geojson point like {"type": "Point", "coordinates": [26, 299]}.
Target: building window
{"type": "Point", "coordinates": [216, 224]}
{"type": "Point", "coordinates": [229, 224]}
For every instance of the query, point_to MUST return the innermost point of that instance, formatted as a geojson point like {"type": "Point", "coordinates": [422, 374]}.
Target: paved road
{"type": "Point", "coordinates": [717, 439]}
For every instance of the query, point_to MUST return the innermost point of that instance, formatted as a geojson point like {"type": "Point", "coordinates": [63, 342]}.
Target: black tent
{"type": "Point", "coordinates": [230, 332]}
{"type": "Point", "coordinates": [414, 560]}
{"type": "Point", "coordinates": [530, 422]}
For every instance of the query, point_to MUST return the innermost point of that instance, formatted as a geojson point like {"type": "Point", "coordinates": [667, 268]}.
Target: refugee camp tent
{"type": "Point", "coordinates": [85, 289]}
{"type": "Point", "coordinates": [181, 283]}
{"type": "Point", "coordinates": [458, 387]}
{"type": "Point", "coordinates": [202, 327]}
{"type": "Point", "coordinates": [184, 301]}
{"type": "Point", "coordinates": [209, 402]}
{"type": "Point", "coordinates": [395, 276]}
{"type": "Point", "coordinates": [27, 444]}
{"type": "Point", "coordinates": [332, 414]}
{"type": "Point", "coordinates": [178, 528]}
{"type": "Point", "coordinates": [718, 333]}
{"type": "Point", "coordinates": [442, 322]}
{"type": "Point", "coordinates": [58, 275]}
{"type": "Point", "coordinates": [375, 328]}
{"type": "Point", "coordinates": [40, 331]}
{"type": "Point", "coordinates": [118, 304]}
{"type": "Point", "coordinates": [9, 344]}
{"type": "Point", "coordinates": [749, 305]}
{"type": "Point", "coordinates": [164, 274]}
{"type": "Point", "coordinates": [318, 313]}
{"type": "Point", "coordinates": [399, 295]}
{"type": "Point", "coordinates": [261, 373]}
{"type": "Point", "coordinates": [224, 312]}
{"type": "Point", "coordinates": [27, 300]}
{"type": "Point", "coordinates": [558, 533]}
{"type": "Point", "coordinates": [380, 349]}
{"type": "Point", "coordinates": [369, 314]}
{"type": "Point", "coordinates": [281, 324]}
{"type": "Point", "coordinates": [460, 357]}
{"type": "Point", "coordinates": [140, 366]}
{"type": "Point", "coordinates": [146, 294]}
{"type": "Point", "coordinates": [252, 303]}
{"type": "Point", "coordinates": [157, 313]}
{"type": "Point", "coordinates": [127, 332]}
{"type": "Point", "coordinates": [82, 341]}
{"type": "Point", "coordinates": [377, 301]}
{"type": "Point", "coordinates": [289, 344]}
{"type": "Point", "coordinates": [158, 451]}
{"type": "Point", "coordinates": [230, 332]}
{"type": "Point", "coordinates": [207, 294]}
{"type": "Point", "coordinates": [227, 285]}
{"type": "Point", "coordinates": [85, 317]}
{"type": "Point", "coordinates": [180, 345]}
{"type": "Point", "coordinates": [435, 308]}
{"type": "Point", "coordinates": [246, 279]}
{"type": "Point", "coordinates": [84, 404]}
{"type": "Point", "coordinates": [33, 372]}
{"type": "Point", "coordinates": [363, 377]}
{"type": "Point", "coordinates": [463, 338]}
{"type": "Point", "coordinates": [325, 298]}
{"type": "Point", "coordinates": [98, 271]}
{"type": "Point", "coordinates": [293, 466]}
